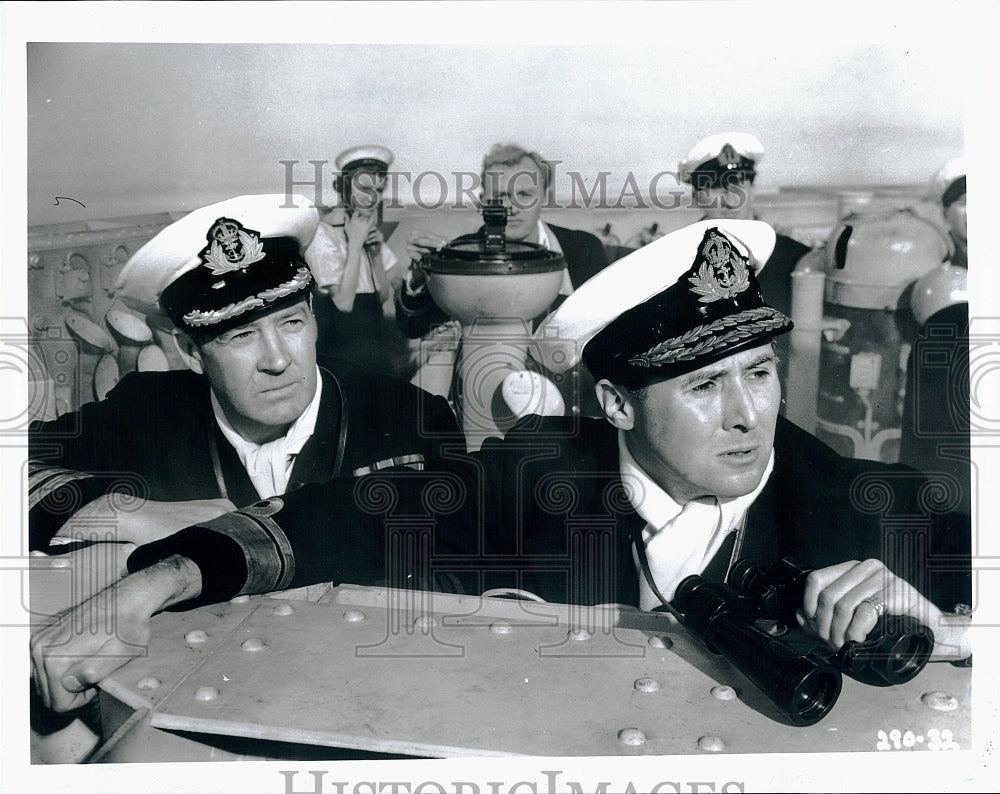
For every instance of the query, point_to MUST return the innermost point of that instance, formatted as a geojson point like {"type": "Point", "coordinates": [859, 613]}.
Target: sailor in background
{"type": "Point", "coordinates": [354, 269]}
{"type": "Point", "coordinates": [255, 415]}
{"type": "Point", "coordinates": [721, 170]}
{"type": "Point", "coordinates": [522, 180]}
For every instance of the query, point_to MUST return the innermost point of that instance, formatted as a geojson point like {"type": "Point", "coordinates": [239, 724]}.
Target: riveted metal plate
{"type": "Point", "coordinates": [179, 643]}
{"type": "Point", "coordinates": [388, 684]}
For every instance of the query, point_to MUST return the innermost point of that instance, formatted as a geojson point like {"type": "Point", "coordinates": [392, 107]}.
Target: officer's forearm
{"type": "Point", "coordinates": [335, 531]}
{"type": "Point", "coordinates": [227, 565]}
{"type": "Point", "coordinates": [171, 581]}
{"type": "Point", "coordinates": [55, 495]}
{"type": "Point", "coordinates": [346, 290]}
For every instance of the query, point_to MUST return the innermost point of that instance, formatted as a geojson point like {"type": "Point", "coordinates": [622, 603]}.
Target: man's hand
{"type": "Point", "coordinates": [85, 644]}
{"type": "Point", "coordinates": [836, 607]}
{"type": "Point", "coordinates": [420, 244]}
{"type": "Point", "coordinates": [139, 522]}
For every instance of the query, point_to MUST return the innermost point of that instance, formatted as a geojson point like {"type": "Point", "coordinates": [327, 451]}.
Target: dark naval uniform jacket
{"type": "Point", "coordinates": [155, 437]}
{"type": "Point", "coordinates": [565, 522]}
{"type": "Point", "coordinates": [775, 279]}
{"type": "Point", "coordinates": [544, 510]}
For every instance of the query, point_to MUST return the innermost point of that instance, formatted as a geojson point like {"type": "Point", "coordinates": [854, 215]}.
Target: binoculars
{"type": "Point", "coordinates": [751, 623]}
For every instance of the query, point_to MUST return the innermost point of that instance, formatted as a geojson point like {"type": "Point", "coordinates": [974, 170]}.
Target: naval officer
{"type": "Point", "coordinates": [691, 463]}
{"type": "Point", "coordinates": [254, 415]}
{"type": "Point", "coordinates": [936, 420]}
{"type": "Point", "coordinates": [690, 469]}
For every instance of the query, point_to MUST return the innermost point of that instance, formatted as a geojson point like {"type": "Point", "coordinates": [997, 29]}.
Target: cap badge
{"type": "Point", "coordinates": [231, 247]}
{"type": "Point", "coordinates": [722, 272]}
{"type": "Point", "coordinates": [729, 157]}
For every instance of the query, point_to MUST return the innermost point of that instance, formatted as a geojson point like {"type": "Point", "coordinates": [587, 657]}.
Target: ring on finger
{"type": "Point", "coordinates": [876, 603]}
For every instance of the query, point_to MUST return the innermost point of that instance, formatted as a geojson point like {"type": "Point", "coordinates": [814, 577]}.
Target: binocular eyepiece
{"type": "Point", "coordinates": [798, 672]}
{"type": "Point", "coordinates": [896, 650]}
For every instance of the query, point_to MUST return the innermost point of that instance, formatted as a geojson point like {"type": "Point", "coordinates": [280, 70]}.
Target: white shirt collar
{"type": "Point", "coordinates": [547, 238]}
{"type": "Point", "coordinates": [269, 465]}
{"type": "Point", "coordinates": [659, 509]}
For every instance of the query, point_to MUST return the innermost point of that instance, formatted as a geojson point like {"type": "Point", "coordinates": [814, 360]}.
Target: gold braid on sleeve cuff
{"type": "Point", "coordinates": [45, 479]}
{"type": "Point", "coordinates": [266, 550]}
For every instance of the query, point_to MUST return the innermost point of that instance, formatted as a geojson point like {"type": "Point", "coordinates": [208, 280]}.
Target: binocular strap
{"type": "Point", "coordinates": [731, 547]}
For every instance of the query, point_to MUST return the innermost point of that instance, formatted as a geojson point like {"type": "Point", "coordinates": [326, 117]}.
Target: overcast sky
{"type": "Point", "coordinates": [837, 98]}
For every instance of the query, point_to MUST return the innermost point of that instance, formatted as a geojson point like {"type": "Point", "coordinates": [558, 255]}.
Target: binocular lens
{"type": "Point", "coordinates": [903, 660]}
{"type": "Point", "coordinates": [804, 686]}
{"type": "Point", "coordinates": [814, 696]}
{"type": "Point", "coordinates": [898, 651]}
{"type": "Point", "coordinates": [807, 689]}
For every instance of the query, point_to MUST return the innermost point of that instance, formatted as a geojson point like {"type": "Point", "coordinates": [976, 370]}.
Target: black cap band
{"type": "Point", "coordinates": [366, 164]}
{"type": "Point", "coordinates": [724, 169]}
{"type": "Point", "coordinates": [714, 310]}
{"type": "Point", "coordinates": [240, 275]}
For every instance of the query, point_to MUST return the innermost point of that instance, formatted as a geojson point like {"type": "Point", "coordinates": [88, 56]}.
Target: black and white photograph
{"type": "Point", "coordinates": [498, 396]}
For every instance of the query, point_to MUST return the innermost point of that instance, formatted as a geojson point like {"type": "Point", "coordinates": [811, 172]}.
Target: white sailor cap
{"type": "Point", "coordinates": [683, 301]}
{"type": "Point", "coordinates": [719, 154]}
{"type": "Point", "coordinates": [370, 155]}
{"type": "Point", "coordinates": [949, 181]}
{"type": "Point", "coordinates": [220, 264]}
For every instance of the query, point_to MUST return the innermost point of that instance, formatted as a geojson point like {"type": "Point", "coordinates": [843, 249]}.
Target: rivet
{"type": "Point", "coordinates": [206, 693]}
{"type": "Point", "coordinates": [501, 627]}
{"type": "Point", "coordinates": [354, 616]}
{"type": "Point", "coordinates": [711, 744]}
{"type": "Point", "coordinates": [939, 701]}
{"type": "Point", "coordinates": [148, 682]}
{"type": "Point", "coordinates": [253, 644]}
{"type": "Point", "coordinates": [283, 609]}
{"type": "Point", "coordinates": [425, 623]}
{"type": "Point", "coordinates": [195, 636]}
{"type": "Point", "coordinates": [631, 736]}
{"type": "Point", "coordinates": [647, 685]}
{"type": "Point", "coordinates": [580, 635]}
{"type": "Point", "coordinates": [723, 692]}
{"type": "Point", "coordinates": [660, 642]}
{"type": "Point", "coordinates": [240, 599]}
